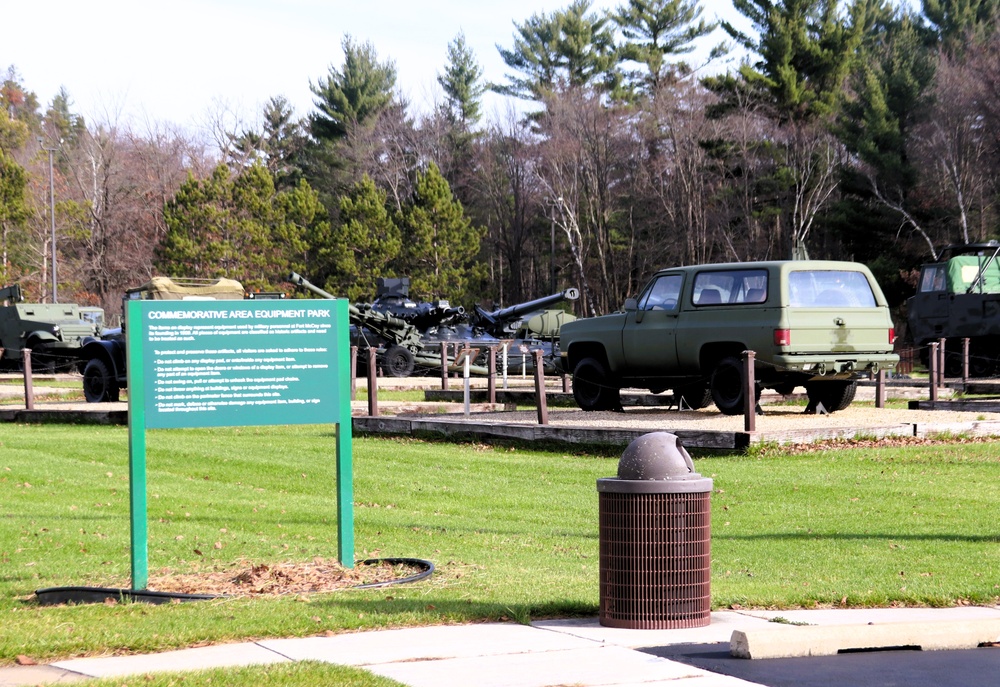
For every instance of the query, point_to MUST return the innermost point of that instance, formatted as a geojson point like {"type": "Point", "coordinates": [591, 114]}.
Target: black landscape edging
{"type": "Point", "coordinates": [53, 596]}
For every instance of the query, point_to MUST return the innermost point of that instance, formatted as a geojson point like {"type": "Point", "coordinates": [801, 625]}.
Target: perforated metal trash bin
{"type": "Point", "coordinates": [655, 539]}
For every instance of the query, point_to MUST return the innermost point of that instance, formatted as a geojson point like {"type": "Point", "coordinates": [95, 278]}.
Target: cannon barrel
{"type": "Point", "coordinates": [514, 312]}
{"type": "Point", "coordinates": [433, 317]}
{"type": "Point", "coordinates": [299, 280]}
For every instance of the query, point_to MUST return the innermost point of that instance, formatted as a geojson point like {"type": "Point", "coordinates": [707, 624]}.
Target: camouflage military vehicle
{"type": "Point", "coordinates": [53, 331]}
{"type": "Point", "coordinates": [811, 323]}
{"type": "Point", "coordinates": [101, 359]}
{"type": "Point", "coordinates": [958, 296]}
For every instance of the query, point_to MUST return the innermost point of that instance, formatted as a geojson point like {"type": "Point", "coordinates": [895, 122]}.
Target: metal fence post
{"type": "Point", "coordinates": [543, 408]}
{"type": "Point", "coordinates": [749, 393]}
{"type": "Point", "coordinates": [965, 362]}
{"type": "Point", "coordinates": [372, 384]}
{"type": "Point", "coordinates": [444, 366]}
{"type": "Point", "coordinates": [491, 377]}
{"type": "Point", "coordinates": [880, 389]}
{"type": "Point", "coordinates": [354, 372]}
{"type": "Point", "coordinates": [941, 361]}
{"type": "Point", "coordinates": [29, 389]}
{"type": "Point", "coordinates": [932, 373]}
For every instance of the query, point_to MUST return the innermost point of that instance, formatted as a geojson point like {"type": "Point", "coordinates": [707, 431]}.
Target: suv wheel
{"type": "Point", "coordinates": [592, 387]}
{"type": "Point", "coordinates": [727, 385]}
{"type": "Point", "coordinates": [695, 396]}
{"type": "Point", "coordinates": [834, 395]}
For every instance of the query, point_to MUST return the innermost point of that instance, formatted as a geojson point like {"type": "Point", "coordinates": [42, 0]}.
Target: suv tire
{"type": "Point", "coordinates": [727, 385]}
{"type": "Point", "coordinates": [695, 396]}
{"type": "Point", "coordinates": [834, 395]}
{"type": "Point", "coordinates": [592, 387]}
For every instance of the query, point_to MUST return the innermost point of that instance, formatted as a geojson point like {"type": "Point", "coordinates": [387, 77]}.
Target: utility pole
{"type": "Point", "coordinates": [552, 247]}
{"type": "Point", "coordinates": [52, 217]}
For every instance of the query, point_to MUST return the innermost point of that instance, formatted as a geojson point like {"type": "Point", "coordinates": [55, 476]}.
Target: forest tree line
{"type": "Point", "coordinates": [861, 129]}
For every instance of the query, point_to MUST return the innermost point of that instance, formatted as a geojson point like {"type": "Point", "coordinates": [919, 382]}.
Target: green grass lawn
{"type": "Point", "coordinates": [512, 532]}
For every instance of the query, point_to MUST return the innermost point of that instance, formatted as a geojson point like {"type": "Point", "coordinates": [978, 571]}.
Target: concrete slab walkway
{"type": "Point", "coordinates": [577, 652]}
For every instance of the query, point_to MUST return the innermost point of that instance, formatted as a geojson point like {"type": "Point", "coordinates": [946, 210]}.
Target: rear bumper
{"type": "Point", "coordinates": [837, 364]}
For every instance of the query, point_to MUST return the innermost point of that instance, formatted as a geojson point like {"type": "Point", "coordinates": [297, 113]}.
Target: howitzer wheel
{"type": "Point", "coordinates": [98, 386]}
{"type": "Point", "coordinates": [398, 361]}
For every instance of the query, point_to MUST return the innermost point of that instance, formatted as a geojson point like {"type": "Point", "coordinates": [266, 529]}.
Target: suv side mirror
{"type": "Point", "coordinates": [631, 304]}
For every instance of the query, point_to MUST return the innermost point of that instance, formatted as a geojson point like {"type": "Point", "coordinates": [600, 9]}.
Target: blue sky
{"type": "Point", "coordinates": [182, 61]}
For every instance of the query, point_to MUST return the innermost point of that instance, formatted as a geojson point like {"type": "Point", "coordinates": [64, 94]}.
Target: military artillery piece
{"type": "Point", "coordinates": [392, 297]}
{"type": "Point", "coordinates": [513, 326]}
{"type": "Point", "coordinates": [396, 342]}
{"type": "Point", "coordinates": [508, 322]}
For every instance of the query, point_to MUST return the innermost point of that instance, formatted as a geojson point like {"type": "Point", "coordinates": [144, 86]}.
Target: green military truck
{"type": "Point", "coordinates": [958, 297]}
{"type": "Point", "coordinates": [53, 331]}
{"type": "Point", "coordinates": [811, 323]}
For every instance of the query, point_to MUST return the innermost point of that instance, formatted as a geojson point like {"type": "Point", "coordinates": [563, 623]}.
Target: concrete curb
{"type": "Point", "coordinates": [793, 641]}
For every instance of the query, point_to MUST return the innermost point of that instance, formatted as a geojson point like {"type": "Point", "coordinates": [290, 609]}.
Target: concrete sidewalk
{"type": "Point", "coordinates": [548, 652]}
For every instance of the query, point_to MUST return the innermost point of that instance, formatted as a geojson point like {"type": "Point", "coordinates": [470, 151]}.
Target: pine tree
{"type": "Point", "coordinates": [804, 51]}
{"type": "Point", "coordinates": [568, 48]}
{"type": "Point", "coordinates": [656, 30]}
{"type": "Point", "coordinates": [957, 22]}
{"type": "Point", "coordinates": [237, 227]}
{"type": "Point", "coordinates": [353, 95]}
{"type": "Point", "coordinates": [365, 244]}
{"type": "Point", "coordinates": [463, 88]}
{"type": "Point", "coordinates": [440, 244]}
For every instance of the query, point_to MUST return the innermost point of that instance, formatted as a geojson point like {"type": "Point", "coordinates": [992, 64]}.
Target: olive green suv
{"type": "Point", "coordinates": [812, 323]}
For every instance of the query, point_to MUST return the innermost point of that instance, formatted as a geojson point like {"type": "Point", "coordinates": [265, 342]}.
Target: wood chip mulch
{"type": "Point", "coordinates": [245, 578]}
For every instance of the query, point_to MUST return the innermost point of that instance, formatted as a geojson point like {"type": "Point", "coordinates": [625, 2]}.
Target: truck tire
{"type": "Point", "coordinates": [695, 396]}
{"type": "Point", "coordinates": [835, 394]}
{"type": "Point", "coordinates": [98, 385]}
{"type": "Point", "coordinates": [727, 385]}
{"type": "Point", "coordinates": [592, 386]}
{"type": "Point", "coordinates": [398, 361]}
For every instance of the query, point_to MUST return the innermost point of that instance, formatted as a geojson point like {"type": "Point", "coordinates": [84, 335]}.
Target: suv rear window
{"type": "Point", "coordinates": [730, 286]}
{"type": "Point", "coordinates": [829, 289]}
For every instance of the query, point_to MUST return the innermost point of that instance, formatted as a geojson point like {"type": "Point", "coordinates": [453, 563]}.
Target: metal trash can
{"type": "Point", "coordinates": [655, 522]}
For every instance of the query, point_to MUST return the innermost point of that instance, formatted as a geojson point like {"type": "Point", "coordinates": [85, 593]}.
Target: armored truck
{"type": "Point", "coordinates": [101, 359]}
{"type": "Point", "coordinates": [53, 331]}
{"type": "Point", "coordinates": [811, 323]}
{"type": "Point", "coordinates": [958, 297]}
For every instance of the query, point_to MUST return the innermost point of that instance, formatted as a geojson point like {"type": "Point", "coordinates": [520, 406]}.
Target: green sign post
{"type": "Point", "coordinates": [236, 363]}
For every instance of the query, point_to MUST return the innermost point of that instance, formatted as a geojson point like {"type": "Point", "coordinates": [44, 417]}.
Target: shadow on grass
{"type": "Point", "coordinates": [965, 538]}
{"type": "Point", "coordinates": [435, 610]}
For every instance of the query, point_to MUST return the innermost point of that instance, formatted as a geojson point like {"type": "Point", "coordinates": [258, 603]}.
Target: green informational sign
{"type": "Point", "coordinates": [237, 363]}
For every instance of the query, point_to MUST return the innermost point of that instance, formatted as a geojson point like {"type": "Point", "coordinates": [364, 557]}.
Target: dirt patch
{"type": "Point", "coordinates": [245, 578]}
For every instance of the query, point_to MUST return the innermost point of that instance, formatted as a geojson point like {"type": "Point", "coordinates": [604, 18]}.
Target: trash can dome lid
{"type": "Point", "coordinates": [656, 456]}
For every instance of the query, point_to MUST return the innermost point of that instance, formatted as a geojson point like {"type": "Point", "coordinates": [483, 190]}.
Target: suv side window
{"type": "Point", "coordinates": [730, 287]}
{"type": "Point", "coordinates": [662, 293]}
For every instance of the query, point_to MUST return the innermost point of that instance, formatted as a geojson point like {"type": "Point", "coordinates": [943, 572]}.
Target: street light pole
{"type": "Point", "coordinates": [52, 217]}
